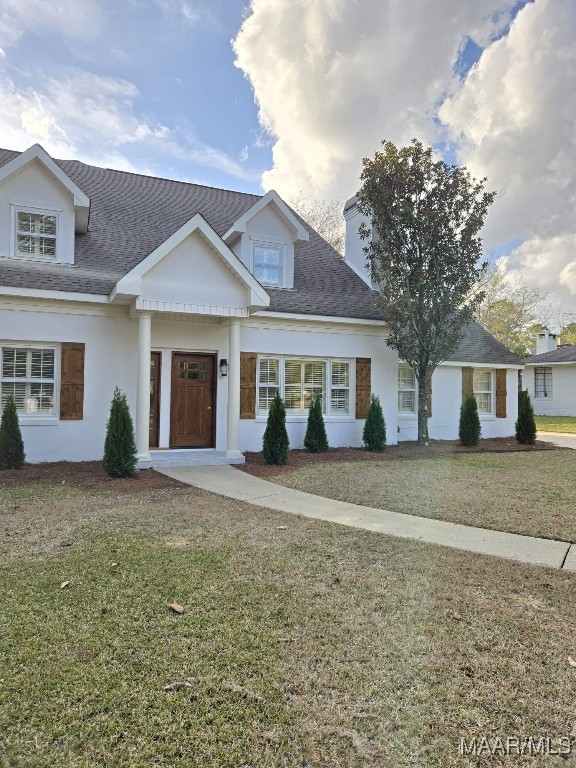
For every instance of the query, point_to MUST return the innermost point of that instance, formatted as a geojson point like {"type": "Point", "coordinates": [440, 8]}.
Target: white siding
{"type": "Point", "coordinates": [563, 400]}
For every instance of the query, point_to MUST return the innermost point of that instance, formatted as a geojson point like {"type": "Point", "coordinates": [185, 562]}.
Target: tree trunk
{"type": "Point", "coordinates": [422, 408]}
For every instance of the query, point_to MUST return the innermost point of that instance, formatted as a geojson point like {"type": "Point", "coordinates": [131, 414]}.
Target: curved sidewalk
{"type": "Point", "coordinates": [227, 481]}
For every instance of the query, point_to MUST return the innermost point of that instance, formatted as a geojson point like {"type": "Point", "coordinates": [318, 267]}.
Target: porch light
{"type": "Point", "coordinates": [223, 367]}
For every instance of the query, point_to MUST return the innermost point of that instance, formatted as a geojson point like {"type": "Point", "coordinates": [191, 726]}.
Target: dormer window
{"type": "Point", "coordinates": [36, 234]}
{"type": "Point", "coordinates": [268, 262]}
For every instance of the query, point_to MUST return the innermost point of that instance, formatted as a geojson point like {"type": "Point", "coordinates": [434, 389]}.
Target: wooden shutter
{"type": "Point", "coordinates": [501, 393]}
{"type": "Point", "coordinates": [363, 386]}
{"type": "Point", "coordinates": [248, 385]}
{"type": "Point", "coordinates": [72, 381]}
{"type": "Point", "coordinates": [467, 382]}
{"type": "Point", "coordinates": [429, 396]}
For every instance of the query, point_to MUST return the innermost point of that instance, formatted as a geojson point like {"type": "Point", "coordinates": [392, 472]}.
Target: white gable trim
{"type": "Point", "coordinates": [270, 198]}
{"type": "Point", "coordinates": [130, 284]}
{"type": "Point", "coordinates": [36, 152]}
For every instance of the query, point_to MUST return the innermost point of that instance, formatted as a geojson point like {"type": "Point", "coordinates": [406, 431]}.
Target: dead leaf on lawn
{"type": "Point", "coordinates": [178, 686]}
{"type": "Point", "coordinates": [176, 608]}
{"type": "Point", "coordinates": [457, 615]}
{"type": "Point", "coordinates": [65, 584]}
{"type": "Point", "coordinates": [177, 543]}
{"type": "Point", "coordinates": [571, 661]}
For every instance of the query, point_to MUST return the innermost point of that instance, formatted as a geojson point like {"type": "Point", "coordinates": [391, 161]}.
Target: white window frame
{"type": "Point", "coordinates": [477, 391]}
{"type": "Point", "coordinates": [414, 389]}
{"type": "Point", "coordinates": [281, 247]}
{"type": "Point", "coordinates": [32, 416]}
{"type": "Point", "coordinates": [34, 210]}
{"type": "Point", "coordinates": [302, 414]}
{"type": "Point", "coordinates": [548, 378]}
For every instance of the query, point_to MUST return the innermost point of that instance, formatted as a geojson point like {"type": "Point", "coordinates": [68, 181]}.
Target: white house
{"type": "Point", "coordinates": [200, 304]}
{"type": "Point", "coordinates": [550, 377]}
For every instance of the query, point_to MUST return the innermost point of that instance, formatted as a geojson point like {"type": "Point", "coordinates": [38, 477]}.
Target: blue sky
{"type": "Point", "coordinates": [291, 94]}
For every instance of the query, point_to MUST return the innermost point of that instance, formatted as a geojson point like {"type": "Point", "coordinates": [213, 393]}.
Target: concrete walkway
{"type": "Point", "coordinates": [227, 481]}
{"type": "Point", "coordinates": [562, 439]}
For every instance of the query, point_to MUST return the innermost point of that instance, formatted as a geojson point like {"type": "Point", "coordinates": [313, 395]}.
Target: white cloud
{"type": "Point", "coordinates": [94, 119]}
{"type": "Point", "coordinates": [514, 120]}
{"type": "Point", "coordinates": [334, 77]}
{"type": "Point", "coordinates": [69, 18]}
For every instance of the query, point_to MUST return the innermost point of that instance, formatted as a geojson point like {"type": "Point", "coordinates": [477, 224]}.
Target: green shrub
{"type": "Point", "coordinates": [374, 434]}
{"type": "Point", "coordinates": [275, 443]}
{"type": "Point", "coordinates": [316, 439]}
{"type": "Point", "coordinates": [470, 429]}
{"type": "Point", "coordinates": [11, 444]}
{"type": "Point", "coordinates": [526, 424]}
{"type": "Point", "coordinates": [119, 447]}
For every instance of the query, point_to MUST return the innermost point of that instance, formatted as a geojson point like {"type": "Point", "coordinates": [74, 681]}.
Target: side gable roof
{"type": "Point", "coordinates": [17, 163]}
{"type": "Point", "coordinates": [565, 354]}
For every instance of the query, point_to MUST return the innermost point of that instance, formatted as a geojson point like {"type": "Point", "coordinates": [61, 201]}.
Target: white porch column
{"type": "Point", "coordinates": [233, 449]}
{"type": "Point", "coordinates": [143, 385]}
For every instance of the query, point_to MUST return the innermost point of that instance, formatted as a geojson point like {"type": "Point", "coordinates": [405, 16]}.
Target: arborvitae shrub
{"type": "Point", "coordinates": [11, 444]}
{"type": "Point", "coordinates": [526, 424]}
{"type": "Point", "coordinates": [316, 439]}
{"type": "Point", "coordinates": [120, 446]}
{"type": "Point", "coordinates": [275, 443]}
{"type": "Point", "coordinates": [469, 432]}
{"type": "Point", "coordinates": [374, 434]}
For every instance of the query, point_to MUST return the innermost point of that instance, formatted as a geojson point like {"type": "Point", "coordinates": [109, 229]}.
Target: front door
{"type": "Point", "coordinates": [192, 403]}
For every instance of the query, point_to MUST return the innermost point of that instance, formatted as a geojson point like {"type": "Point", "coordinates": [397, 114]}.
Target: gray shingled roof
{"type": "Point", "coordinates": [479, 346]}
{"type": "Point", "coordinates": [565, 354]}
{"type": "Point", "coordinates": [131, 215]}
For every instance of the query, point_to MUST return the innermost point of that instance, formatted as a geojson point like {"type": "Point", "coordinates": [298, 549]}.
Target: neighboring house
{"type": "Point", "coordinates": [550, 377]}
{"type": "Point", "coordinates": [200, 304]}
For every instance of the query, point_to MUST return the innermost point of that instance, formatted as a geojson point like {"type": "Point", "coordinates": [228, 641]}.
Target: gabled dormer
{"type": "Point", "coordinates": [264, 239]}
{"type": "Point", "coordinates": [41, 209]}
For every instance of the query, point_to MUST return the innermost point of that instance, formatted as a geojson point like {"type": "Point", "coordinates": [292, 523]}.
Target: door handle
{"type": "Point", "coordinates": [208, 407]}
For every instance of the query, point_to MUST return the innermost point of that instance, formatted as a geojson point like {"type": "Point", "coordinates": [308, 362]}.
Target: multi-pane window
{"type": "Point", "coordinates": [268, 263]}
{"type": "Point", "coordinates": [483, 390]}
{"type": "Point", "coordinates": [36, 234]}
{"type": "Point", "coordinates": [406, 389]}
{"type": "Point", "coordinates": [28, 375]}
{"type": "Point", "coordinates": [543, 381]}
{"type": "Point", "coordinates": [299, 381]}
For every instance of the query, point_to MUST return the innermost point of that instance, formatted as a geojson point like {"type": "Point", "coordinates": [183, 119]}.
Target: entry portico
{"type": "Point", "coordinates": [193, 281]}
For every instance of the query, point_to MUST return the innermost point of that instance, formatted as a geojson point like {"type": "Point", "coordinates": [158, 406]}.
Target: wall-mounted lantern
{"type": "Point", "coordinates": [223, 367]}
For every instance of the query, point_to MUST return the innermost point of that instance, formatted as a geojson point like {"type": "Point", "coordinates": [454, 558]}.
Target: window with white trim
{"type": "Point", "coordinates": [268, 260]}
{"type": "Point", "coordinates": [483, 390]}
{"type": "Point", "coordinates": [406, 389]}
{"type": "Point", "coordinates": [29, 375]}
{"type": "Point", "coordinates": [35, 234]}
{"type": "Point", "coordinates": [543, 381]}
{"type": "Point", "coordinates": [300, 380]}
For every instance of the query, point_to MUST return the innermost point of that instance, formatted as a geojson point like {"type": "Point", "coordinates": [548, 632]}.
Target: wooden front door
{"type": "Point", "coordinates": [192, 405]}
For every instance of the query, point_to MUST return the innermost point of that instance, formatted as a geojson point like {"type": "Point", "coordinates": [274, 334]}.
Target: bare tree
{"type": "Point", "coordinates": [325, 216]}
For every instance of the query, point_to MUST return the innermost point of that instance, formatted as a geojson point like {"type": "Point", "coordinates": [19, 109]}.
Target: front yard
{"type": "Point", "coordinates": [302, 644]}
{"type": "Point", "coordinates": [556, 424]}
{"type": "Point", "coordinates": [532, 493]}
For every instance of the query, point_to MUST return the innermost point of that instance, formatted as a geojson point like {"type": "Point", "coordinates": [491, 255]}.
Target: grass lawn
{"type": "Point", "coordinates": [556, 424]}
{"type": "Point", "coordinates": [528, 493]}
{"type": "Point", "coordinates": [305, 644]}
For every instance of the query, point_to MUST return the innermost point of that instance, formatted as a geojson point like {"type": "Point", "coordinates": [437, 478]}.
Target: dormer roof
{"type": "Point", "coordinates": [273, 199]}
{"type": "Point", "coordinates": [36, 153]}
